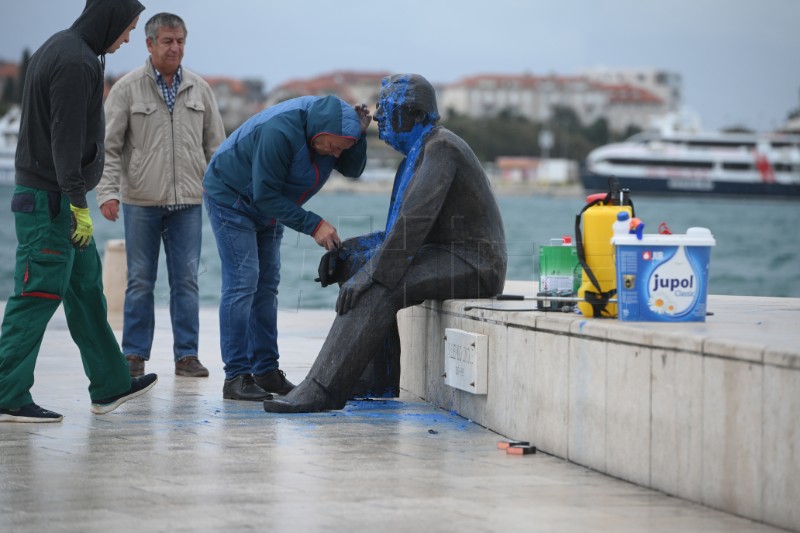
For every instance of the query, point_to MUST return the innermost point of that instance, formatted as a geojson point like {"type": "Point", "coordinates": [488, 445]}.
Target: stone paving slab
{"type": "Point", "coordinates": [182, 459]}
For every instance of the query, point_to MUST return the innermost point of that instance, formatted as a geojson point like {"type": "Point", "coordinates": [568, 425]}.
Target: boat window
{"type": "Point", "coordinates": [660, 163]}
{"type": "Point", "coordinates": [737, 166]}
{"type": "Point", "coordinates": [641, 137]}
{"type": "Point", "coordinates": [783, 144]}
{"type": "Point", "coordinates": [722, 144]}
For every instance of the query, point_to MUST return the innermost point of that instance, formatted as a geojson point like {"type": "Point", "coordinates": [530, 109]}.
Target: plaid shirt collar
{"type": "Point", "coordinates": [168, 93]}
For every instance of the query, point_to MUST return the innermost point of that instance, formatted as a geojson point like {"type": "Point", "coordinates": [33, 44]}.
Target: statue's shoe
{"type": "Point", "coordinates": [282, 406]}
{"type": "Point", "coordinates": [307, 397]}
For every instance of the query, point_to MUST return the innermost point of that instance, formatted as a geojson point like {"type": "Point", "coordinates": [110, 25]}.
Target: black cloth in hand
{"type": "Point", "coordinates": [331, 267]}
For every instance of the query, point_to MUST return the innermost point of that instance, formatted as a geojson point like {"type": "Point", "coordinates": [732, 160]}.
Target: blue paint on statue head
{"type": "Point", "coordinates": [406, 105]}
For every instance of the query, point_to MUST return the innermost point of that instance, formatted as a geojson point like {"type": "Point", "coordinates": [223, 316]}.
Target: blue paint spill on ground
{"type": "Point", "coordinates": [366, 411]}
{"type": "Point", "coordinates": [379, 411]}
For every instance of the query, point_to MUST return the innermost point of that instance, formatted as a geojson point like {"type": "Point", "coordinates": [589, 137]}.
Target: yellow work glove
{"type": "Point", "coordinates": [80, 231]}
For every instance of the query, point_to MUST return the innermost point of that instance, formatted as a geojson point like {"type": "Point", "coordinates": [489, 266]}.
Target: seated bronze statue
{"type": "Point", "coordinates": [444, 239]}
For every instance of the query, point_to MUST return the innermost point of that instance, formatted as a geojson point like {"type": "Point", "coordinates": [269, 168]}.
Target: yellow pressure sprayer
{"type": "Point", "coordinates": [595, 251]}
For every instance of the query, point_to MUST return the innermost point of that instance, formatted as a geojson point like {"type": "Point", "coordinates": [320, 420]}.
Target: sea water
{"type": "Point", "coordinates": [757, 250]}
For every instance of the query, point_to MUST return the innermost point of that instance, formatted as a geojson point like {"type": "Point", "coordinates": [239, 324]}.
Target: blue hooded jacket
{"type": "Point", "coordinates": [266, 166]}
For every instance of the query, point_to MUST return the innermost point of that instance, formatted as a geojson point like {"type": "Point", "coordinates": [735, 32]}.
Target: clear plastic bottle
{"type": "Point", "coordinates": [622, 226]}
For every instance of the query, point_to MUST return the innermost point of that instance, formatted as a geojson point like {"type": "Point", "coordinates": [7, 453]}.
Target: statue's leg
{"type": "Point", "coordinates": [381, 377]}
{"type": "Point", "coordinates": [355, 337]}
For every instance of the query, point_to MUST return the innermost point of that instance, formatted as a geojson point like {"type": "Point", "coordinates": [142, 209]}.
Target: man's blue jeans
{"type": "Point", "coordinates": [181, 231]}
{"type": "Point", "coordinates": [248, 308]}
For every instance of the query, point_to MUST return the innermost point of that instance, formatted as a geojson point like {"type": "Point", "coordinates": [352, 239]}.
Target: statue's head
{"type": "Point", "coordinates": [407, 103]}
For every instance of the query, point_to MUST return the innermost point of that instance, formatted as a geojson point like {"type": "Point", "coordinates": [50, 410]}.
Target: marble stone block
{"type": "Point", "coordinates": [677, 423]}
{"type": "Point", "coordinates": [732, 425]}
{"type": "Point", "coordinates": [587, 402]}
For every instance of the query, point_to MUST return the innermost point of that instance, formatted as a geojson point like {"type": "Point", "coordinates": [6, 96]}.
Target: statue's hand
{"type": "Point", "coordinates": [352, 291]}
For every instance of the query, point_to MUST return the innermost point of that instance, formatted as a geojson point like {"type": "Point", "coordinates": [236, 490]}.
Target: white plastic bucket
{"type": "Point", "coordinates": [663, 278]}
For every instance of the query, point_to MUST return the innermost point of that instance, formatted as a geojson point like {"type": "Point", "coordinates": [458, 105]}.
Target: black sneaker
{"type": "Point", "coordinates": [138, 387]}
{"type": "Point", "coordinates": [275, 382]}
{"type": "Point", "coordinates": [30, 413]}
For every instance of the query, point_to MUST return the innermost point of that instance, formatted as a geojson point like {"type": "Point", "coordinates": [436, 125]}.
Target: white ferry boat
{"type": "Point", "coordinates": [699, 163]}
{"type": "Point", "coordinates": [9, 132]}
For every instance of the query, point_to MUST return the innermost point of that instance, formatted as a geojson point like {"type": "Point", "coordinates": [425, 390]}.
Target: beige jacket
{"type": "Point", "coordinates": [152, 157]}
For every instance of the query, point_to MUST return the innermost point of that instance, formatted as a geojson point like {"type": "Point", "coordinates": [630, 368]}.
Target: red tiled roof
{"type": "Point", "coordinates": [9, 70]}
{"type": "Point", "coordinates": [236, 86]}
{"type": "Point", "coordinates": [520, 80]}
{"type": "Point", "coordinates": [500, 79]}
{"type": "Point", "coordinates": [335, 82]}
{"type": "Point", "coordinates": [512, 162]}
{"type": "Point", "coordinates": [621, 93]}
{"type": "Point", "coordinates": [629, 94]}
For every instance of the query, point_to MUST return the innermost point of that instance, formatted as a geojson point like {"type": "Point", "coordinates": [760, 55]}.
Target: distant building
{"type": "Point", "coordinates": [624, 97]}
{"type": "Point", "coordinates": [535, 97]}
{"type": "Point", "coordinates": [9, 74]}
{"type": "Point", "coordinates": [666, 85]}
{"type": "Point", "coordinates": [351, 86]}
{"type": "Point", "coordinates": [237, 100]}
{"type": "Point", "coordinates": [517, 169]}
{"type": "Point", "coordinates": [631, 106]}
{"type": "Point", "coordinates": [535, 170]}
{"type": "Point", "coordinates": [791, 126]}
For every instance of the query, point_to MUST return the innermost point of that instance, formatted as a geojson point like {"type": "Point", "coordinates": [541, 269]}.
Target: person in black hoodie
{"type": "Point", "coordinates": [59, 159]}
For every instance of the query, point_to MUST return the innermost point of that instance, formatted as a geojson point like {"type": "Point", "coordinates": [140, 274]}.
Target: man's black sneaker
{"type": "Point", "coordinates": [138, 387]}
{"type": "Point", "coordinates": [30, 413]}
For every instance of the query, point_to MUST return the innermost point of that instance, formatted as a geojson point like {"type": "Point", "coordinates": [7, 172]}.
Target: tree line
{"type": "Point", "coordinates": [509, 134]}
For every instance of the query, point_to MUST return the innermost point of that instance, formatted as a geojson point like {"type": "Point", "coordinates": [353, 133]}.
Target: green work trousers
{"type": "Point", "coordinates": [50, 271]}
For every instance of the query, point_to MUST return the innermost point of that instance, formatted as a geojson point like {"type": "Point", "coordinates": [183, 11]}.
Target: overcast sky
{"type": "Point", "coordinates": [740, 59]}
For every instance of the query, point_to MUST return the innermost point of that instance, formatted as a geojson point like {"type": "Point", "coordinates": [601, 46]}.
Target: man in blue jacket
{"type": "Point", "coordinates": [255, 184]}
{"type": "Point", "coordinates": [59, 159]}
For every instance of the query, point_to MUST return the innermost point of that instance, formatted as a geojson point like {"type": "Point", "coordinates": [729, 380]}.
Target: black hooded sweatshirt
{"type": "Point", "coordinates": [62, 127]}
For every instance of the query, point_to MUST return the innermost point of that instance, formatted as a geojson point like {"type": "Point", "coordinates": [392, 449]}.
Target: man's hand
{"type": "Point", "coordinates": [351, 292]}
{"type": "Point", "coordinates": [110, 210]}
{"type": "Point", "coordinates": [327, 237]}
{"type": "Point", "coordinates": [80, 231]}
{"type": "Point", "coordinates": [363, 116]}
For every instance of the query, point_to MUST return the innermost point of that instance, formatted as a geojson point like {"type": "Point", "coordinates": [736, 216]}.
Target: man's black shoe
{"type": "Point", "coordinates": [30, 413]}
{"type": "Point", "coordinates": [138, 387]}
{"type": "Point", "coordinates": [243, 387]}
{"type": "Point", "coordinates": [274, 382]}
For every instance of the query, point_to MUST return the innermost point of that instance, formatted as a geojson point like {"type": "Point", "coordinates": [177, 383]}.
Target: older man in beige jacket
{"type": "Point", "coordinates": [162, 127]}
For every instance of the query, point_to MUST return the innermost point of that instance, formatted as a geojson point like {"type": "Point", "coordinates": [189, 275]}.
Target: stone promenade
{"type": "Point", "coordinates": [182, 459]}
